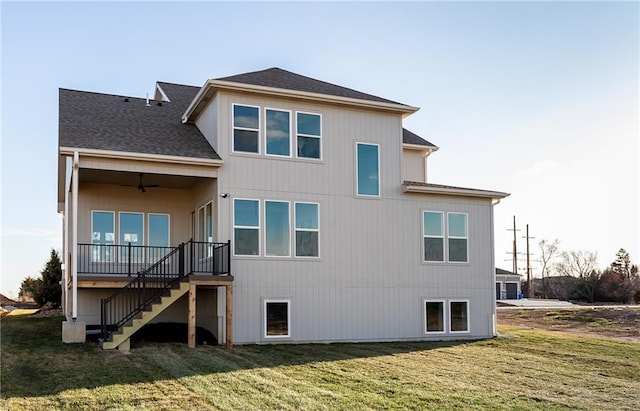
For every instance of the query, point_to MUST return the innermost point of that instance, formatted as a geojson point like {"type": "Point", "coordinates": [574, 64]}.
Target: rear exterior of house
{"type": "Point", "coordinates": [267, 207]}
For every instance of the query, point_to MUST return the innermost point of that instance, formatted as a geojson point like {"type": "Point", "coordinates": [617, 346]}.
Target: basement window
{"type": "Point", "coordinates": [276, 319]}
{"type": "Point", "coordinates": [459, 320]}
{"type": "Point", "coordinates": [434, 316]}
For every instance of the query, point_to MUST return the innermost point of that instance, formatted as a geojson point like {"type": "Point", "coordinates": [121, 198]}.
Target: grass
{"type": "Point", "coordinates": [528, 369]}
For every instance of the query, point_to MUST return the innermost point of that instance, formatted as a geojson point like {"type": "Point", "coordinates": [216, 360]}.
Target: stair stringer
{"type": "Point", "coordinates": [133, 325]}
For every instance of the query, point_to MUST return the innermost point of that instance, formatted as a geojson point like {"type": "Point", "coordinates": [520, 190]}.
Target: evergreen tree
{"type": "Point", "coordinates": [49, 290]}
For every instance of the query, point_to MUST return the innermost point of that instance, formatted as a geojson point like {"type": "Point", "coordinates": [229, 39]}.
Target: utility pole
{"type": "Point", "coordinates": [515, 246]}
{"type": "Point", "coordinates": [529, 285]}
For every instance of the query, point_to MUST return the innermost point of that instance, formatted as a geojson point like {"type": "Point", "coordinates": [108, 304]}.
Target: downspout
{"type": "Point", "coordinates": [74, 245]}
{"type": "Point", "coordinates": [494, 316]}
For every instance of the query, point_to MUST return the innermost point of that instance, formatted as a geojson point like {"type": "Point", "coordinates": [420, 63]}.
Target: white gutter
{"type": "Point", "coordinates": [124, 155]}
{"type": "Point", "coordinates": [280, 92]}
{"type": "Point", "coordinates": [465, 192]}
{"type": "Point", "coordinates": [74, 252]}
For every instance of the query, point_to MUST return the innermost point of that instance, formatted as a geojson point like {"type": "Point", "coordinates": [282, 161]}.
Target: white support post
{"type": "Point", "coordinates": [74, 245]}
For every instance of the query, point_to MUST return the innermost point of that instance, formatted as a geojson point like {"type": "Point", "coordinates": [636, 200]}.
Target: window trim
{"type": "Point", "coordinates": [234, 128]}
{"type": "Point", "coordinates": [425, 317]}
{"type": "Point", "coordinates": [264, 210]}
{"type": "Point", "coordinates": [441, 237]}
{"type": "Point", "coordinates": [266, 137]}
{"type": "Point", "coordinates": [113, 213]}
{"type": "Point", "coordinates": [319, 137]}
{"type": "Point", "coordinates": [459, 300]}
{"type": "Point", "coordinates": [265, 302]}
{"type": "Point", "coordinates": [296, 229]}
{"type": "Point", "coordinates": [168, 228]}
{"type": "Point", "coordinates": [466, 237]}
{"type": "Point", "coordinates": [114, 243]}
{"type": "Point", "coordinates": [357, 162]}
{"type": "Point", "coordinates": [259, 227]}
{"type": "Point", "coordinates": [144, 240]}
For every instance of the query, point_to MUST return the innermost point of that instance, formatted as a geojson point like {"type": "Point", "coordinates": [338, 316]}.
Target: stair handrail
{"type": "Point", "coordinates": [140, 292]}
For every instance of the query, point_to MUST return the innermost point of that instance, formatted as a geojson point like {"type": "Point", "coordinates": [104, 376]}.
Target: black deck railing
{"type": "Point", "coordinates": [118, 259]}
{"type": "Point", "coordinates": [151, 283]}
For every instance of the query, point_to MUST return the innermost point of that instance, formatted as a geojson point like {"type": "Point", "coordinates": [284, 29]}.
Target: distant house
{"type": "Point", "coordinates": [266, 207]}
{"type": "Point", "coordinates": [507, 285]}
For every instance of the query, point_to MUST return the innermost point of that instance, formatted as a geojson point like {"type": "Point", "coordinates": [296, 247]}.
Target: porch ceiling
{"type": "Point", "coordinates": [133, 178]}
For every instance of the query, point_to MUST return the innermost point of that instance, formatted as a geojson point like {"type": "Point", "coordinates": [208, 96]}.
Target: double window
{"type": "Point", "coordinates": [433, 232]}
{"type": "Point", "coordinates": [278, 132]}
{"type": "Point", "coordinates": [272, 225]}
{"type": "Point", "coordinates": [446, 316]}
{"type": "Point", "coordinates": [368, 170]}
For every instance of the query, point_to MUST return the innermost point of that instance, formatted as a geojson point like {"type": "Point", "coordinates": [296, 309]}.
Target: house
{"type": "Point", "coordinates": [266, 207]}
{"type": "Point", "coordinates": [507, 285]}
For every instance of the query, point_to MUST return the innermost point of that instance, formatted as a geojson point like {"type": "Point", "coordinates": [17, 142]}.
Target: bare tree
{"type": "Point", "coordinates": [581, 265]}
{"type": "Point", "coordinates": [549, 251]}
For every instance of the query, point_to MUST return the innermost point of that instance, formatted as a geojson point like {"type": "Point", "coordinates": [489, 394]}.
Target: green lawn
{"type": "Point", "coordinates": [526, 370]}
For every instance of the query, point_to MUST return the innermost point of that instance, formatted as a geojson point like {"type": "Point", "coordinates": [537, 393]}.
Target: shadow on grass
{"type": "Point", "coordinates": [35, 362]}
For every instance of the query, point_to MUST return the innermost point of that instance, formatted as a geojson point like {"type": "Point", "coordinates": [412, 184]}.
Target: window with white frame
{"type": "Point", "coordinates": [277, 317]}
{"type": "Point", "coordinates": [307, 229]}
{"type": "Point", "coordinates": [433, 238]}
{"type": "Point", "coordinates": [457, 237]}
{"type": "Point", "coordinates": [278, 132]}
{"type": "Point", "coordinates": [246, 129]}
{"type": "Point", "coordinates": [157, 235]}
{"type": "Point", "coordinates": [458, 316]}
{"type": "Point", "coordinates": [368, 169]}
{"type": "Point", "coordinates": [246, 227]}
{"type": "Point", "coordinates": [102, 235]}
{"type": "Point", "coordinates": [277, 228]}
{"type": "Point", "coordinates": [309, 135]}
{"type": "Point", "coordinates": [131, 229]}
{"type": "Point", "coordinates": [434, 314]}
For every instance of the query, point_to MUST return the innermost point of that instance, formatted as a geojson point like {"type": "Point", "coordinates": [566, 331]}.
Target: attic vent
{"type": "Point", "coordinates": [159, 103]}
{"type": "Point", "coordinates": [126, 99]}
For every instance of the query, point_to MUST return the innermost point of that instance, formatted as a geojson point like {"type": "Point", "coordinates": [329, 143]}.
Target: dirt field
{"type": "Point", "coordinates": [619, 323]}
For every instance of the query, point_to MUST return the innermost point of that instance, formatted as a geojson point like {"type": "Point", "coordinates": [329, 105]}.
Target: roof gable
{"type": "Point", "coordinates": [278, 78]}
{"type": "Point", "coordinates": [410, 138]}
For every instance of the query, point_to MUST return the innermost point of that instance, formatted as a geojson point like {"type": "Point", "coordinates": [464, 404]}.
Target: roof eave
{"type": "Point", "coordinates": [68, 151]}
{"type": "Point", "coordinates": [195, 107]}
{"type": "Point", "coordinates": [462, 192]}
{"type": "Point", "coordinates": [420, 147]}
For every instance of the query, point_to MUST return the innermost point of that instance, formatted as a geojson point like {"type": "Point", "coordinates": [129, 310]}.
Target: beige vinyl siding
{"type": "Point", "coordinates": [110, 197]}
{"type": "Point", "coordinates": [413, 166]}
{"type": "Point", "coordinates": [207, 122]}
{"type": "Point", "coordinates": [370, 281]}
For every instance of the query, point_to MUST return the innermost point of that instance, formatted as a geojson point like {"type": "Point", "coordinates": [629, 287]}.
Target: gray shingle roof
{"type": "Point", "coordinates": [410, 138]}
{"type": "Point", "coordinates": [279, 78]}
{"type": "Point", "coordinates": [108, 122]}
{"type": "Point", "coordinates": [500, 271]}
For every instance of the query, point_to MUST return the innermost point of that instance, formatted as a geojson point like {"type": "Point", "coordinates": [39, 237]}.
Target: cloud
{"type": "Point", "coordinates": [31, 232]}
{"type": "Point", "coordinates": [538, 168]}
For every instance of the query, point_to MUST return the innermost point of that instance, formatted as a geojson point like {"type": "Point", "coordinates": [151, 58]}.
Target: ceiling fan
{"type": "Point", "coordinates": [143, 187]}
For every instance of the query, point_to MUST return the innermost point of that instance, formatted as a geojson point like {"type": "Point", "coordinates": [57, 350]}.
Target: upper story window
{"type": "Point", "coordinates": [276, 220]}
{"type": "Point", "coordinates": [309, 134]}
{"type": "Point", "coordinates": [307, 229]}
{"type": "Point", "coordinates": [278, 132]}
{"type": "Point", "coordinates": [432, 232]}
{"type": "Point", "coordinates": [246, 227]}
{"type": "Point", "coordinates": [434, 239]}
{"type": "Point", "coordinates": [246, 129]}
{"type": "Point", "coordinates": [368, 169]}
{"type": "Point", "coordinates": [457, 233]}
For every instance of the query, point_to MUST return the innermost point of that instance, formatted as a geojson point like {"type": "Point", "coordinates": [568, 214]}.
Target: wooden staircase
{"type": "Point", "coordinates": [120, 338]}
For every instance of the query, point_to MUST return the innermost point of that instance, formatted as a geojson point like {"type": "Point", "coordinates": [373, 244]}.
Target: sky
{"type": "Point", "coordinates": [537, 99]}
